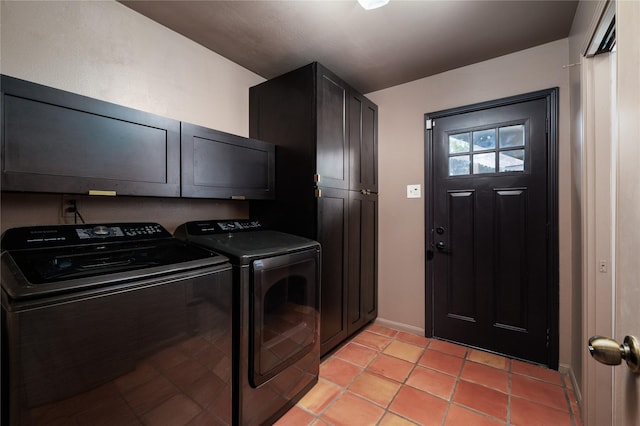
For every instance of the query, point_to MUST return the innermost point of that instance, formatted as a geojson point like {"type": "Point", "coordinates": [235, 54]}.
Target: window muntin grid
{"type": "Point", "coordinates": [487, 151]}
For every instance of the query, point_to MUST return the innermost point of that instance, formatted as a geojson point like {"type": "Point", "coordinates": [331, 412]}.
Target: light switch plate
{"type": "Point", "coordinates": [413, 191]}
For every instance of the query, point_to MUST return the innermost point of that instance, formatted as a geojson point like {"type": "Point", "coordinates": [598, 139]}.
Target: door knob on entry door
{"type": "Point", "coordinates": [610, 352]}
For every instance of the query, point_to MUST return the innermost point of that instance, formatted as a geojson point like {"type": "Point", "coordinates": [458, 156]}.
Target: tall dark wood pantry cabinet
{"type": "Point", "coordinates": [325, 134]}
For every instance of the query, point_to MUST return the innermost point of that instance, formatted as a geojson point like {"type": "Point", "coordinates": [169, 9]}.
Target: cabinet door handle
{"type": "Point", "coordinates": [102, 192]}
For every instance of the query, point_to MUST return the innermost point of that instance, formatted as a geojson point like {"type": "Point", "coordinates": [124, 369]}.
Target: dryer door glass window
{"type": "Point", "coordinates": [284, 315]}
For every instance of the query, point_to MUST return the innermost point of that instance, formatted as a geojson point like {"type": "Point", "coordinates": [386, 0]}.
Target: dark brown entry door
{"type": "Point", "coordinates": [490, 272]}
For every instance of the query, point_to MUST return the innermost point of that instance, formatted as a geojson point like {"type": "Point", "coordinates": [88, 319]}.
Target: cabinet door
{"type": "Point", "coordinates": [363, 143]}
{"type": "Point", "coordinates": [362, 260]}
{"type": "Point", "coordinates": [332, 235]}
{"type": "Point", "coordinates": [221, 165]}
{"type": "Point", "coordinates": [56, 141]}
{"type": "Point", "coordinates": [332, 165]}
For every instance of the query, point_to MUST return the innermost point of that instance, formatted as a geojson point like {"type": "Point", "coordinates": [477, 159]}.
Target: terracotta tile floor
{"type": "Point", "coordinates": [388, 378]}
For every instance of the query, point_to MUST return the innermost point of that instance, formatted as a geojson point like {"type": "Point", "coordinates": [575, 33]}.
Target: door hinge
{"type": "Point", "coordinates": [429, 124]}
{"type": "Point", "coordinates": [316, 178]}
{"type": "Point", "coordinates": [318, 193]}
{"type": "Point", "coordinates": [548, 331]}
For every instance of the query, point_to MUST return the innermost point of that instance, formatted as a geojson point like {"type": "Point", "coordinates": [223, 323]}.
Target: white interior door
{"type": "Point", "coordinates": [626, 392]}
{"type": "Point", "coordinates": [611, 179]}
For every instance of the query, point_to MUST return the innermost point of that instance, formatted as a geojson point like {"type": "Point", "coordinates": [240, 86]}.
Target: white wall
{"type": "Point", "coordinates": [401, 162]}
{"type": "Point", "coordinates": [104, 50]}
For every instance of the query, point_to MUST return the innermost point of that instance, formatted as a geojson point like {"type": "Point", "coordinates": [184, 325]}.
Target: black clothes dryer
{"type": "Point", "coordinates": [276, 313]}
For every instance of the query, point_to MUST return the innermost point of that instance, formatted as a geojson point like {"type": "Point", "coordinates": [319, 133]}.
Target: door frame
{"type": "Point", "coordinates": [553, 299]}
{"type": "Point", "coordinates": [599, 192]}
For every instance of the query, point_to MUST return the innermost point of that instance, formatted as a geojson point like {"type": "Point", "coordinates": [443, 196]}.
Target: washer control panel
{"type": "Point", "coordinates": [124, 230]}
{"type": "Point", "coordinates": [67, 235]}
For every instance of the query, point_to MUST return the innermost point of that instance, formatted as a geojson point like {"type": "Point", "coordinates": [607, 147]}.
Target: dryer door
{"type": "Point", "coordinates": [284, 314]}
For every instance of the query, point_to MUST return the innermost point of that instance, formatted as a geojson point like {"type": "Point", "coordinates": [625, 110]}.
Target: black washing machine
{"type": "Point", "coordinates": [100, 323]}
{"type": "Point", "coordinates": [276, 318]}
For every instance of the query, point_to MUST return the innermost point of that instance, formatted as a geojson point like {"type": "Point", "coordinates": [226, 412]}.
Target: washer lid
{"type": "Point", "coordinates": [243, 247]}
{"type": "Point", "coordinates": [45, 260]}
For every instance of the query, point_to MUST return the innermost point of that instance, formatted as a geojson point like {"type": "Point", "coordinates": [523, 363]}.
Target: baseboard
{"type": "Point", "coordinates": [566, 369]}
{"type": "Point", "coordinates": [399, 326]}
{"type": "Point", "coordinates": [574, 383]}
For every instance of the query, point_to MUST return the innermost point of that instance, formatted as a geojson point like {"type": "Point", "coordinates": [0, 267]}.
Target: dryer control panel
{"type": "Point", "coordinates": [209, 227]}
{"type": "Point", "coordinates": [235, 225]}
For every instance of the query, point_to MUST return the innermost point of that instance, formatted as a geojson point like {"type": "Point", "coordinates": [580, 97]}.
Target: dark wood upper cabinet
{"type": "Point", "coordinates": [332, 165]}
{"type": "Point", "coordinates": [56, 141]}
{"type": "Point", "coordinates": [221, 165]}
{"type": "Point", "coordinates": [363, 143]}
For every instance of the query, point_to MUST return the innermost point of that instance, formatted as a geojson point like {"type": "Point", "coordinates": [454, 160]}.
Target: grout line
{"type": "Point", "coordinates": [454, 390]}
{"type": "Point", "coordinates": [567, 397]}
{"type": "Point", "coordinates": [363, 369]}
{"type": "Point", "coordinates": [509, 391]}
{"type": "Point", "coordinates": [474, 410]}
{"type": "Point", "coordinates": [403, 383]}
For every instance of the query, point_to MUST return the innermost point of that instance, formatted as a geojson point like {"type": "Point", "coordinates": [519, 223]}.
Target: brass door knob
{"type": "Point", "coordinates": [610, 352]}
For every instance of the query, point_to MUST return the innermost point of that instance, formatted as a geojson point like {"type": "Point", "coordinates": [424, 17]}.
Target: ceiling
{"type": "Point", "coordinates": [371, 50]}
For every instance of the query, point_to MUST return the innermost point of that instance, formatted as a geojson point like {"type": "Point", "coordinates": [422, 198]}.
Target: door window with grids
{"type": "Point", "coordinates": [494, 150]}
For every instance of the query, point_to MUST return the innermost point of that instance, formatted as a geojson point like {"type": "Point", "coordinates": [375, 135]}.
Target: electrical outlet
{"type": "Point", "coordinates": [68, 205]}
{"type": "Point", "coordinates": [413, 191]}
